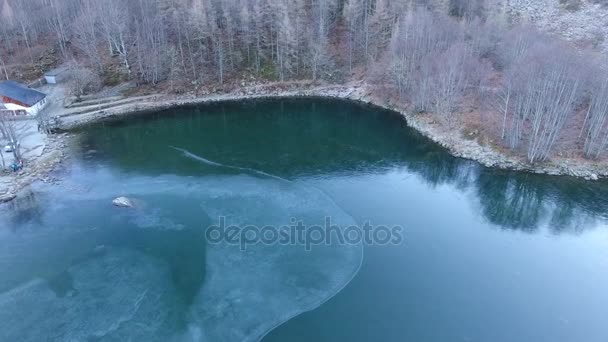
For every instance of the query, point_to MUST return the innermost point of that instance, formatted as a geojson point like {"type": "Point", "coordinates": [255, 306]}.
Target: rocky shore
{"type": "Point", "coordinates": [36, 169]}
{"type": "Point", "coordinates": [452, 140]}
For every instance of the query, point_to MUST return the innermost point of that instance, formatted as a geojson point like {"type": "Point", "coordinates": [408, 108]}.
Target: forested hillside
{"type": "Point", "coordinates": [524, 90]}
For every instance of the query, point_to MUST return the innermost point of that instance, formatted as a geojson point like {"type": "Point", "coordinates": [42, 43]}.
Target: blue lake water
{"type": "Point", "coordinates": [487, 255]}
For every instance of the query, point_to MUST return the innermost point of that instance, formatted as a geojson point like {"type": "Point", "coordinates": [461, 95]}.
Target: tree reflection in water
{"type": "Point", "coordinates": [519, 200]}
{"type": "Point", "coordinates": [294, 138]}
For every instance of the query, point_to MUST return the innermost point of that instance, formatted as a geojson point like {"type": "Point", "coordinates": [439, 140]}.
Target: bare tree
{"type": "Point", "coordinates": [2, 159]}
{"type": "Point", "coordinates": [86, 35]}
{"type": "Point", "coordinates": [46, 123]}
{"type": "Point", "coordinates": [503, 101]}
{"type": "Point", "coordinates": [357, 15]}
{"type": "Point", "coordinates": [546, 93]}
{"type": "Point", "coordinates": [11, 130]}
{"type": "Point", "coordinates": [418, 37]}
{"type": "Point", "coordinates": [422, 92]}
{"type": "Point", "coordinates": [515, 45]}
{"type": "Point", "coordinates": [286, 40]}
{"type": "Point", "coordinates": [59, 14]}
{"type": "Point", "coordinates": [82, 81]}
{"type": "Point", "coordinates": [450, 81]}
{"type": "Point", "coordinates": [3, 65]}
{"type": "Point", "coordinates": [151, 43]}
{"type": "Point", "coordinates": [319, 57]}
{"type": "Point", "coordinates": [114, 20]}
{"type": "Point", "coordinates": [595, 126]}
{"type": "Point", "coordinates": [22, 16]}
{"type": "Point", "coordinates": [468, 9]}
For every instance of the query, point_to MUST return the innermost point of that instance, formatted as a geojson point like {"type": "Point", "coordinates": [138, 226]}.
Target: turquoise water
{"type": "Point", "coordinates": [486, 255]}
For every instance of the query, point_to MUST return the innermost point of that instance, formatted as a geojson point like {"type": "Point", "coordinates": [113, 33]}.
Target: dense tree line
{"type": "Point", "coordinates": [194, 39]}
{"type": "Point", "coordinates": [431, 60]}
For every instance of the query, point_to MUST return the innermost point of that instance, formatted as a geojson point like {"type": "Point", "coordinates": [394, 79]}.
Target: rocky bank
{"type": "Point", "coordinates": [453, 140]}
{"type": "Point", "coordinates": [35, 169]}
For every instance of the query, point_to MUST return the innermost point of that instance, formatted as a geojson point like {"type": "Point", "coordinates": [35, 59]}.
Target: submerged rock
{"type": "Point", "coordinates": [123, 202]}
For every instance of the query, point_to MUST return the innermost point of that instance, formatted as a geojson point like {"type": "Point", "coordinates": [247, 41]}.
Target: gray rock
{"type": "Point", "coordinates": [123, 202]}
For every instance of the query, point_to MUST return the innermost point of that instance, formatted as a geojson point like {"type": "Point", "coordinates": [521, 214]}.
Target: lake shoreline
{"type": "Point", "coordinates": [37, 169]}
{"type": "Point", "coordinates": [452, 140]}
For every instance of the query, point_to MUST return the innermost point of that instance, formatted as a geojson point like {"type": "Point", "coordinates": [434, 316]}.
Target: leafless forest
{"type": "Point", "coordinates": [532, 92]}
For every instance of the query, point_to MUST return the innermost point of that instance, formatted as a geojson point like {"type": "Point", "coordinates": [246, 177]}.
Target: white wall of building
{"type": "Point", "coordinates": [33, 110]}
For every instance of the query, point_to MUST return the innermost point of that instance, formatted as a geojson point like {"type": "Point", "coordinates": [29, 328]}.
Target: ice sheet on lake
{"type": "Point", "coordinates": [248, 293]}
{"type": "Point", "coordinates": [119, 296]}
{"type": "Point", "coordinates": [244, 294]}
{"type": "Point", "coordinates": [155, 219]}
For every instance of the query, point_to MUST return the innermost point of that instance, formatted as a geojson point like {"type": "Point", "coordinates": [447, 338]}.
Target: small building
{"type": "Point", "coordinates": [56, 75]}
{"type": "Point", "coordinates": [17, 96]}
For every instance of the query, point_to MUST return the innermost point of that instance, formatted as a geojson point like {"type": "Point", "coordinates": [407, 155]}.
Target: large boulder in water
{"type": "Point", "coordinates": [123, 202]}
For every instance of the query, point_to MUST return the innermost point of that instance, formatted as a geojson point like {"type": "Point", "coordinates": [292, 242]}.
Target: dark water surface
{"type": "Point", "coordinates": [487, 255]}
